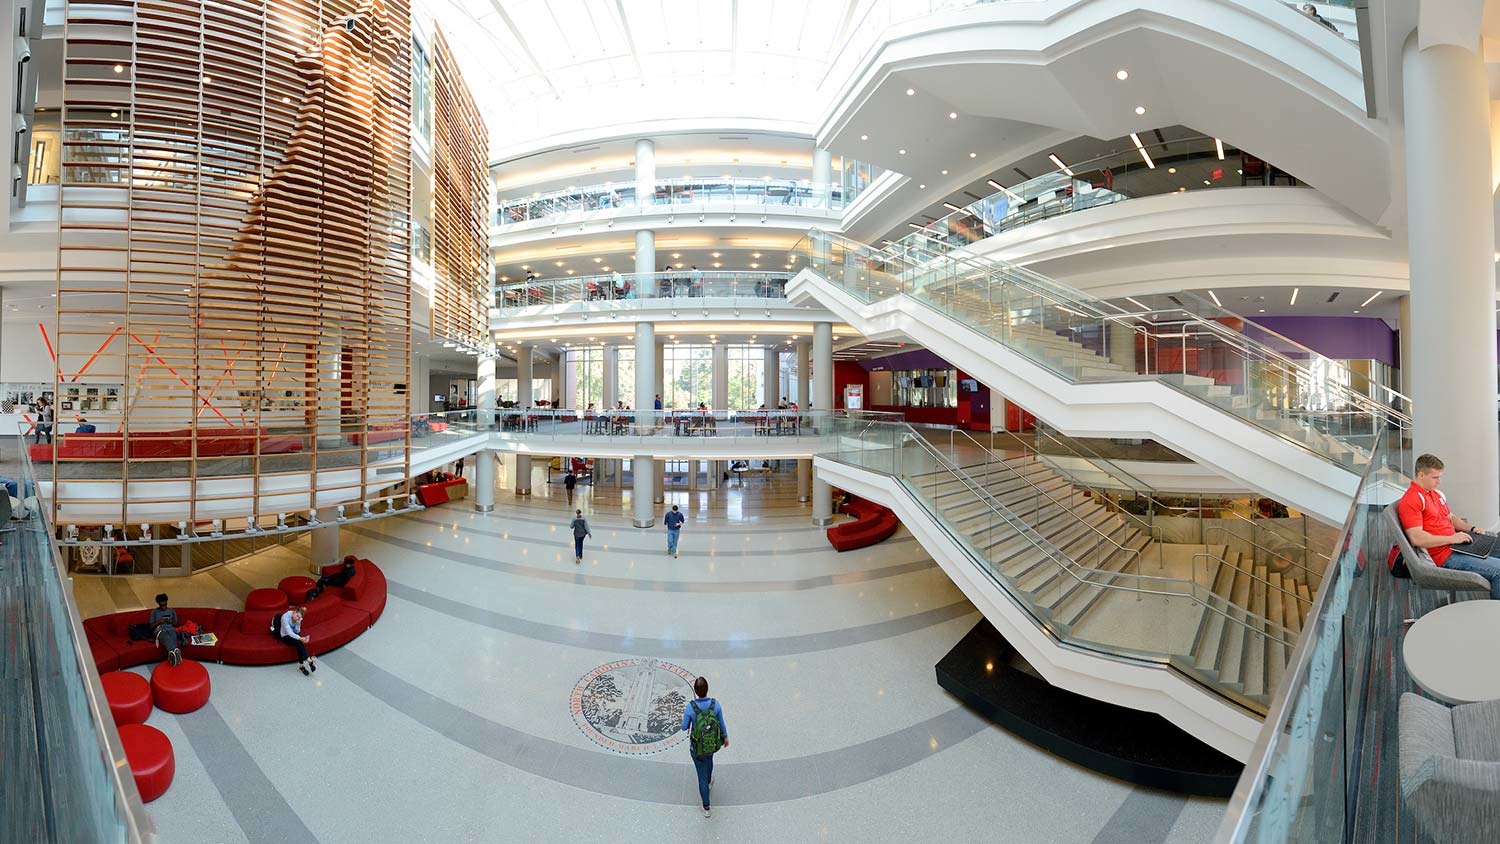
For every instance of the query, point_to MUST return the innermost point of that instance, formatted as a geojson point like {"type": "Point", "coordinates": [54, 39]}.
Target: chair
{"type": "Point", "coordinates": [1450, 768]}
{"type": "Point", "coordinates": [1427, 574]}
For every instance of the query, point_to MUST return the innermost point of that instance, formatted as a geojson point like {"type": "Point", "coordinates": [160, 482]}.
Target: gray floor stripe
{"type": "Point", "coordinates": [680, 648]}
{"type": "Point", "coordinates": [668, 778]}
{"type": "Point", "coordinates": [231, 581]}
{"type": "Point", "coordinates": [641, 584]}
{"type": "Point", "coordinates": [1146, 817]}
{"type": "Point", "coordinates": [252, 798]}
{"type": "Point", "coordinates": [119, 591]}
{"type": "Point", "coordinates": [659, 543]}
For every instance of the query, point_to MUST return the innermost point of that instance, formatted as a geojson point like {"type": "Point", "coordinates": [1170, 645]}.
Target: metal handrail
{"type": "Point", "coordinates": [1308, 570]}
{"type": "Point", "coordinates": [1253, 575]}
{"type": "Point", "coordinates": [132, 808]}
{"type": "Point", "coordinates": [642, 286]}
{"type": "Point", "coordinates": [1254, 780]}
{"type": "Point", "coordinates": [1071, 567]}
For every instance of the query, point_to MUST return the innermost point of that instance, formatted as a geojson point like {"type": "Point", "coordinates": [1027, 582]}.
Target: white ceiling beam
{"type": "Point", "coordinates": [635, 55]}
{"type": "Point", "coordinates": [499, 7]}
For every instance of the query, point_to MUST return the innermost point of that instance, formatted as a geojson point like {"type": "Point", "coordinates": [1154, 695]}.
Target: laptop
{"type": "Point", "coordinates": [1482, 545]}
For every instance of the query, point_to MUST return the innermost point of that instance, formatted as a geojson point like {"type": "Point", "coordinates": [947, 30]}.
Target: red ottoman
{"type": "Point", "coordinates": [149, 752]}
{"type": "Point", "coordinates": [182, 688]}
{"type": "Point", "coordinates": [274, 600]}
{"type": "Point", "coordinates": [295, 587]}
{"type": "Point", "coordinates": [129, 696]}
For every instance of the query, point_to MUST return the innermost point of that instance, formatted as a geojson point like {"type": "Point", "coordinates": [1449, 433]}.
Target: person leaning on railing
{"type": "Point", "coordinates": [1429, 524]}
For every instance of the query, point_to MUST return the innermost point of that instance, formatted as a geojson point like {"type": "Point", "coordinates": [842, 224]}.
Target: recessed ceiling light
{"type": "Point", "coordinates": [716, 255]}
{"type": "Point", "coordinates": [1171, 169]}
{"type": "Point", "coordinates": [952, 115]}
{"type": "Point", "coordinates": [1356, 310]}
{"type": "Point", "coordinates": [1219, 148]}
{"type": "Point", "coordinates": [755, 254]}
{"type": "Point", "coordinates": [119, 68]}
{"type": "Point", "coordinates": [950, 206]}
{"type": "Point", "coordinates": [1214, 296]}
{"type": "Point", "coordinates": [1122, 75]}
{"type": "Point", "coordinates": [1059, 162]}
{"type": "Point", "coordinates": [754, 266]}
{"type": "Point", "coordinates": [676, 254]}
{"type": "Point", "coordinates": [901, 152]}
{"type": "Point", "coordinates": [717, 264]}
{"type": "Point", "coordinates": [1295, 291]}
{"type": "Point", "coordinates": [285, 100]}
{"type": "Point", "coordinates": [1140, 109]}
{"type": "Point", "coordinates": [1263, 310]}
{"type": "Point", "coordinates": [910, 91]}
{"type": "Point", "coordinates": [945, 172]}
{"type": "Point", "coordinates": [525, 266]}
{"type": "Point", "coordinates": [208, 80]}
{"type": "Point", "coordinates": [598, 260]}
{"type": "Point", "coordinates": [973, 155]}
{"type": "Point", "coordinates": [559, 263]}
{"type": "Point", "coordinates": [114, 114]}
{"type": "Point", "coordinates": [864, 137]}
{"type": "Point", "coordinates": [606, 269]}
{"type": "Point", "coordinates": [1373, 296]}
{"type": "Point", "coordinates": [924, 187]}
{"type": "Point", "coordinates": [1207, 182]}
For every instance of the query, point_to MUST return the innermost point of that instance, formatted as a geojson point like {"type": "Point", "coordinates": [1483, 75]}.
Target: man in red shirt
{"type": "Point", "coordinates": [1429, 524]}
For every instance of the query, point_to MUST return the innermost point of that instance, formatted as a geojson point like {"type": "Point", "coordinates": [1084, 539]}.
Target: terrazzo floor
{"type": "Point", "coordinates": [454, 718]}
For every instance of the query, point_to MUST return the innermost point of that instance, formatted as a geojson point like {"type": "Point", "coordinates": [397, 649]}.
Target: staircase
{"type": "Point", "coordinates": [1250, 408]}
{"type": "Point", "coordinates": [1094, 575]}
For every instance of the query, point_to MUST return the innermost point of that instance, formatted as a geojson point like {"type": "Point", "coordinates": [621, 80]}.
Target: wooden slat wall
{"type": "Point", "coordinates": [235, 214]}
{"type": "Point", "coordinates": [460, 205]}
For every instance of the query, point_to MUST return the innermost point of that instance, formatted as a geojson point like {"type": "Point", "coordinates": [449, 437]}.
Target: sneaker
{"type": "Point", "coordinates": [706, 812]}
{"type": "Point", "coordinates": [674, 555]}
{"type": "Point", "coordinates": [577, 561]}
{"type": "Point", "coordinates": [174, 657]}
{"type": "Point", "coordinates": [302, 666]}
{"type": "Point", "coordinates": [312, 665]}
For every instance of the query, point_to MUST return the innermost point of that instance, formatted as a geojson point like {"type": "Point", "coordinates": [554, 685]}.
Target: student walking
{"type": "Point", "coordinates": [458, 468]}
{"type": "Point", "coordinates": [705, 718]}
{"type": "Point", "coordinates": [581, 530]}
{"type": "Point", "coordinates": [570, 481]}
{"type": "Point", "coordinates": [44, 419]}
{"type": "Point", "coordinates": [673, 521]}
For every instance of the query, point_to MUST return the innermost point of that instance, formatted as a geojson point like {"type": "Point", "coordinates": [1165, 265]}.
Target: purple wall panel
{"type": "Point", "coordinates": [1339, 338]}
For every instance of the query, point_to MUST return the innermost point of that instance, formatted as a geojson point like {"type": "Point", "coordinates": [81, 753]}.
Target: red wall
{"type": "Point", "coordinates": [848, 372]}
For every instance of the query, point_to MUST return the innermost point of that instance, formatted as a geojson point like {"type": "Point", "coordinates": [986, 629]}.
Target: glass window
{"type": "Point", "coordinates": [746, 377]}
{"type": "Point", "coordinates": [687, 375]}
{"type": "Point", "coordinates": [924, 388]}
{"type": "Point", "coordinates": [421, 91]}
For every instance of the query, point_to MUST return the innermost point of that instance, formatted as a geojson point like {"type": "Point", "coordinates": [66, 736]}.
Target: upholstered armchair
{"type": "Point", "coordinates": [1450, 768]}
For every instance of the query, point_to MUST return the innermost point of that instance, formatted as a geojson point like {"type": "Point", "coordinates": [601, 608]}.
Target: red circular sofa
{"type": "Point", "coordinates": [333, 619]}
{"type": "Point", "coordinates": [872, 523]}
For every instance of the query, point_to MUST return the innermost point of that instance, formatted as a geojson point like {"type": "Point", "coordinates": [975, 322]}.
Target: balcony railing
{"type": "Point", "coordinates": [723, 194]}
{"type": "Point", "coordinates": [718, 284]}
{"type": "Point", "coordinates": [1174, 166]}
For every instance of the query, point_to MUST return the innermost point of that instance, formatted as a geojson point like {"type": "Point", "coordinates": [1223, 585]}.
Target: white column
{"type": "Point", "coordinates": [1403, 338]}
{"type": "Point", "coordinates": [645, 264]}
{"type": "Point", "coordinates": [659, 484]}
{"type": "Point", "coordinates": [643, 473]}
{"type": "Point", "coordinates": [1122, 344]}
{"type": "Point", "coordinates": [560, 385]}
{"type": "Point", "coordinates": [1451, 238]}
{"type": "Point", "coordinates": [485, 388]}
{"type": "Point", "coordinates": [804, 401]}
{"type": "Point", "coordinates": [720, 402]}
{"type": "Point", "coordinates": [645, 171]}
{"type": "Point", "coordinates": [822, 162]}
{"type": "Point", "coordinates": [611, 378]}
{"type": "Point", "coordinates": [523, 474]}
{"type": "Point", "coordinates": [484, 481]}
{"type": "Point", "coordinates": [772, 366]}
{"type": "Point", "coordinates": [822, 400]}
{"type": "Point", "coordinates": [325, 540]}
{"type": "Point", "coordinates": [523, 377]}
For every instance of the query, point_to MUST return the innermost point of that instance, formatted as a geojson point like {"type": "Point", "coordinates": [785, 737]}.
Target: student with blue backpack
{"type": "Point", "coordinates": [704, 717]}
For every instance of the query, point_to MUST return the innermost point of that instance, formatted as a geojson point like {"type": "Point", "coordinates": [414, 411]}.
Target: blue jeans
{"type": "Point", "coordinates": [578, 547]}
{"type": "Point", "coordinates": [672, 539]}
{"type": "Point", "coordinates": [705, 767]}
{"type": "Point", "coordinates": [1489, 567]}
{"type": "Point", "coordinates": [11, 487]}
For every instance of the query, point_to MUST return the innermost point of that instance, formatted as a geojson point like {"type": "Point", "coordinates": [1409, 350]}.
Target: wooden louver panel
{"type": "Point", "coordinates": [460, 206]}
{"type": "Point", "coordinates": [235, 250]}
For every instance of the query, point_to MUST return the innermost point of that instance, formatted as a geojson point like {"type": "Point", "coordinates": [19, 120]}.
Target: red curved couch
{"type": "Point", "coordinates": [212, 442]}
{"type": "Point", "coordinates": [872, 523]}
{"type": "Point", "coordinates": [333, 619]}
{"type": "Point", "coordinates": [442, 492]}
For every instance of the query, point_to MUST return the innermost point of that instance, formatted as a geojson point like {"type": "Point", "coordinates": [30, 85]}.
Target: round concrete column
{"type": "Point", "coordinates": [642, 468]}
{"type": "Point", "coordinates": [822, 164]}
{"type": "Point", "coordinates": [645, 171]}
{"type": "Point", "coordinates": [1451, 237]}
{"type": "Point", "coordinates": [645, 264]}
{"type": "Point", "coordinates": [523, 474]}
{"type": "Point", "coordinates": [484, 481]}
{"type": "Point", "coordinates": [822, 400]}
{"type": "Point", "coordinates": [523, 377]}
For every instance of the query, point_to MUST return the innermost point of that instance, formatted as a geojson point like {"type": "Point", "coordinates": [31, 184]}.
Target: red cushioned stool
{"type": "Point", "coordinates": [181, 688]}
{"type": "Point", "coordinates": [295, 587]}
{"type": "Point", "coordinates": [274, 600]}
{"type": "Point", "coordinates": [129, 696]}
{"type": "Point", "coordinates": [149, 752]}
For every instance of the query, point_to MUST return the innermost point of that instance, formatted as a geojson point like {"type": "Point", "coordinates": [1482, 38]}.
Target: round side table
{"type": "Point", "coordinates": [1441, 657]}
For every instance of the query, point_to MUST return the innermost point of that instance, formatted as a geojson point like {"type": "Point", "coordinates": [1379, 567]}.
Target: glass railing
{"type": "Point", "coordinates": [545, 424]}
{"type": "Point", "coordinates": [64, 768]}
{"type": "Point", "coordinates": [1326, 765]}
{"type": "Point", "coordinates": [1209, 353]}
{"type": "Point", "coordinates": [1082, 575]}
{"type": "Point", "coordinates": [421, 243]}
{"type": "Point", "coordinates": [721, 194]}
{"type": "Point", "coordinates": [1177, 165]}
{"type": "Point", "coordinates": [687, 284]}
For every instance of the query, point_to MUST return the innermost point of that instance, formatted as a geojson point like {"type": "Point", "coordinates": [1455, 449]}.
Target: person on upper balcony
{"type": "Point", "coordinates": [1431, 525]}
{"type": "Point", "coordinates": [1312, 11]}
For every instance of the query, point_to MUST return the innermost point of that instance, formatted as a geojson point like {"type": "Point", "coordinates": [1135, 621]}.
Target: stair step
{"type": "Point", "coordinates": [1083, 596]}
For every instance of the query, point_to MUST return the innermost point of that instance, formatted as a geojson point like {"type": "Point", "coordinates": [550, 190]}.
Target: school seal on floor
{"type": "Point", "coordinates": [632, 706]}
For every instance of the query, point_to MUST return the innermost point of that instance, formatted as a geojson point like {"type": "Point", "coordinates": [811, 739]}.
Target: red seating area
{"type": "Point", "coordinates": [180, 688]}
{"type": "Point", "coordinates": [335, 618]}
{"type": "Point", "coordinates": [872, 523]}
{"type": "Point", "coordinates": [149, 752]}
{"type": "Point", "coordinates": [212, 442]}
{"type": "Point", "coordinates": [442, 492]}
{"type": "Point", "coordinates": [129, 696]}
